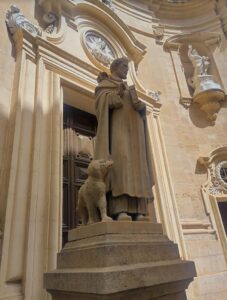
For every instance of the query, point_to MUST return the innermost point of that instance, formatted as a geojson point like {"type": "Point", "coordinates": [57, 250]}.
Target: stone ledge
{"type": "Point", "coordinates": [119, 278]}
{"type": "Point", "coordinates": [115, 227]}
{"type": "Point", "coordinates": [118, 254]}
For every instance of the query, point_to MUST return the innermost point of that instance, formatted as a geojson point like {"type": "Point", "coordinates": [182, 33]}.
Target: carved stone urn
{"type": "Point", "coordinates": [208, 95]}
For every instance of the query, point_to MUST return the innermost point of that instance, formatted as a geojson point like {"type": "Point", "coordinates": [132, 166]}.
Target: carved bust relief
{"type": "Point", "coordinates": [99, 48]}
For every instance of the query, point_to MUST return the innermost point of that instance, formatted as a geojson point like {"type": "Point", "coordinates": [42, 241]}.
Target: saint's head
{"type": "Point", "coordinates": [119, 68]}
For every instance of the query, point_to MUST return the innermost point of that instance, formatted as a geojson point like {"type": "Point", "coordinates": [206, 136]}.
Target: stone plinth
{"type": "Point", "coordinates": [119, 260]}
{"type": "Point", "coordinates": [208, 94]}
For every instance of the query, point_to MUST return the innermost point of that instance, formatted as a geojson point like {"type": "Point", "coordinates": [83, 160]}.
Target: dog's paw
{"type": "Point", "coordinates": [107, 219]}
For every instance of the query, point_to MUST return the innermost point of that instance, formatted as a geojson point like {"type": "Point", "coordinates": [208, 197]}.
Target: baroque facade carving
{"type": "Point", "coordinates": [192, 60]}
{"type": "Point", "coordinates": [44, 68]}
{"type": "Point", "coordinates": [15, 20]}
{"type": "Point", "coordinates": [207, 93]}
{"type": "Point", "coordinates": [154, 94]}
{"type": "Point", "coordinates": [216, 166]}
{"type": "Point", "coordinates": [219, 185]}
{"type": "Point", "coordinates": [108, 3]}
{"type": "Point", "coordinates": [51, 20]}
{"type": "Point", "coordinates": [100, 48]}
{"type": "Point", "coordinates": [158, 32]}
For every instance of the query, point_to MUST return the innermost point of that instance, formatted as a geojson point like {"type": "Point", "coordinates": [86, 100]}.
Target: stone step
{"type": "Point", "coordinates": [114, 227]}
{"type": "Point", "coordinates": [117, 279]}
{"type": "Point", "coordinates": [117, 254]}
{"type": "Point", "coordinates": [118, 261]}
{"type": "Point", "coordinates": [115, 239]}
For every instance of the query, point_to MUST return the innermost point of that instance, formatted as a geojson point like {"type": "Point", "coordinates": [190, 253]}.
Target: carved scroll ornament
{"type": "Point", "coordinates": [15, 20]}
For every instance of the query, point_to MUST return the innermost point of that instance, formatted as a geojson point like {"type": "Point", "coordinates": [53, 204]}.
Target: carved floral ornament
{"type": "Point", "coordinates": [99, 48]}
{"type": "Point", "coordinates": [216, 166]}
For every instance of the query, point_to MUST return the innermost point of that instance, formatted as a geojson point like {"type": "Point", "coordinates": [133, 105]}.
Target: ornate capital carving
{"type": "Point", "coordinates": [16, 20]}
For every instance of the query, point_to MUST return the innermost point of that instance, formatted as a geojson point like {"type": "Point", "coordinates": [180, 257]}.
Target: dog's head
{"type": "Point", "coordinates": [99, 168]}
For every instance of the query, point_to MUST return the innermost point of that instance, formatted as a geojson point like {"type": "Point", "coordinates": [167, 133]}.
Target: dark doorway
{"type": "Point", "coordinates": [223, 211]}
{"type": "Point", "coordinates": [79, 130]}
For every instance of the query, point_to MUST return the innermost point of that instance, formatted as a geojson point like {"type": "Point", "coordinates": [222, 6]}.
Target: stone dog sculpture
{"type": "Point", "coordinates": [92, 194]}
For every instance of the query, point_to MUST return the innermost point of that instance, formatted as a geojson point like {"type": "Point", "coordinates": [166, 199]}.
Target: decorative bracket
{"type": "Point", "coordinates": [158, 32]}
{"type": "Point", "coordinates": [16, 20]}
{"type": "Point", "coordinates": [51, 20]}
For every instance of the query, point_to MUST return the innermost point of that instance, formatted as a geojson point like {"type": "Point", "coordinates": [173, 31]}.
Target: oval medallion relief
{"type": "Point", "coordinates": [99, 48]}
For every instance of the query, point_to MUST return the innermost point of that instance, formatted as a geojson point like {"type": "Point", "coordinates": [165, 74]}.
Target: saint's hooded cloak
{"type": "Point", "coordinates": [122, 135]}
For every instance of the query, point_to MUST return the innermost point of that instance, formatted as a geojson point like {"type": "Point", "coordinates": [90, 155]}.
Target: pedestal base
{"type": "Point", "coordinates": [119, 260]}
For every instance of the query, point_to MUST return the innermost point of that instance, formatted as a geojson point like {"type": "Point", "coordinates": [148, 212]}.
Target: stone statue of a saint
{"type": "Point", "coordinates": [122, 135]}
{"type": "Point", "coordinates": [207, 93]}
{"type": "Point", "coordinates": [199, 62]}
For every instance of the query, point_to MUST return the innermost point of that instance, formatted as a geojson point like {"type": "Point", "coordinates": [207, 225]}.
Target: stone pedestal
{"type": "Point", "coordinates": [208, 94]}
{"type": "Point", "coordinates": [119, 260]}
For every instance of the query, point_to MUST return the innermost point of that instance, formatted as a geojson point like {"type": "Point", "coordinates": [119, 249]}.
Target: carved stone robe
{"type": "Point", "coordinates": [122, 135]}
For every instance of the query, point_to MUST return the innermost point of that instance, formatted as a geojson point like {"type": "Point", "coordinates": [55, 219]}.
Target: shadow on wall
{"type": "Point", "coordinates": [198, 117]}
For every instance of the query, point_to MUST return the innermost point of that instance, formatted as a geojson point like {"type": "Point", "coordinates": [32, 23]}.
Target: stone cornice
{"type": "Point", "coordinates": [67, 64]}
{"type": "Point", "coordinates": [209, 38]}
{"type": "Point", "coordinates": [182, 10]}
{"type": "Point", "coordinates": [100, 12]}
